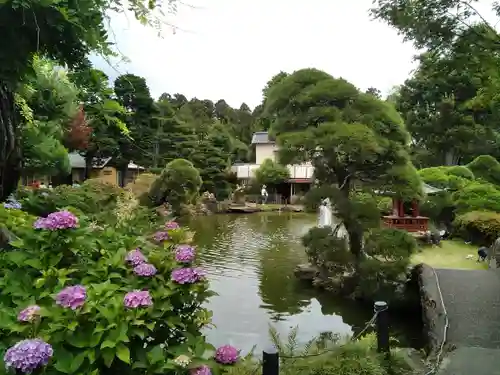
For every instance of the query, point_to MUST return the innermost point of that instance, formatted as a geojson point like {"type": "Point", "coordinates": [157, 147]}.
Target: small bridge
{"type": "Point", "coordinates": [472, 301]}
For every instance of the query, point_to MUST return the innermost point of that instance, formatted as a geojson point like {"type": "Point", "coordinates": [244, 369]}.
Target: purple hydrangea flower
{"type": "Point", "coordinates": [12, 205]}
{"type": "Point", "coordinates": [161, 236]}
{"type": "Point", "coordinates": [72, 297]}
{"type": "Point", "coordinates": [202, 370]}
{"type": "Point", "coordinates": [29, 314]}
{"type": "Point", "coordinates": [187, 275]}
{"type": "Point", "coordinates": [57, 220]}
{"type": "Point", "coordinates": [39, 223]}
{"type": "Point", "coordinates": [227, 355]}
{"type": "Point", "coordinates": [172, 225]}
{"type": "Point", "coordinates": [135, 257]}
{"type": "Point", "coordinates": [145, 269]}
{"type": "Point", "coordinates": [28, 355]}
{"type": "Point", "coordinates": [184, 253]}
{"type": "Point", "coordinates": [137, 298]}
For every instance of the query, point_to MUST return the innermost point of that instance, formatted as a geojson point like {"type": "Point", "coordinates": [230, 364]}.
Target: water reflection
{"type": "Point", "coordinates": [250, 261]}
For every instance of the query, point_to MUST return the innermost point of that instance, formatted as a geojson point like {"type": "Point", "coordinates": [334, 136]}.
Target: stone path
{"type": "Point", "coordinates": [472, 300]}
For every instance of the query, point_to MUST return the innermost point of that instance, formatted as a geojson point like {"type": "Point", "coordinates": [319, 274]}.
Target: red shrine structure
{"type": "Point", "coordinates": [409, 219]}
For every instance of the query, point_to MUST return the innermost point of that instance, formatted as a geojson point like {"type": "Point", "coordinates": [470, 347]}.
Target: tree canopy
{"type": "Point", "coordinates": [436, 24]}
{"type": "Point", "coordinates": [350, 137]}
{"type": "Point", "coordinates": [450, 103]}
{"type": "Point", "coordinates": [65, 32]}
{"type": "Point", "coordinates": [271, 173]}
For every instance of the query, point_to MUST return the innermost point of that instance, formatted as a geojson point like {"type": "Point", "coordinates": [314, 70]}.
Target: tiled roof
{"type": "Point", "coordinates": [78, 161]}
{"type": "Point", "coordinates": [261, 138]}
{"type": "Point", "coordinates": [428, 189]}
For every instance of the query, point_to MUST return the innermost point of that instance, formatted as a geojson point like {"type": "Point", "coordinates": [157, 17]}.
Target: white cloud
{"type": "Point", "coordinates": [229, 49]}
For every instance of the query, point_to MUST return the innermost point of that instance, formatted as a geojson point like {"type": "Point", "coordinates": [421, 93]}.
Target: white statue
{"type": "Point", "coordinates": [325, 214]}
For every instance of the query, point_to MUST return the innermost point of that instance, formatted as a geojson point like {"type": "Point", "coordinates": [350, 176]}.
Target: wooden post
{"type": "Point", "coordinates": [382, 323]}
{"type": "Point", "coordinates": [395, 207]}
{"type": "Point", "coordinates": [415, 207]}
{"type": "Point", "coordinates": [401, 208]}
{"type": "Point", "coordinates": [270, 362]}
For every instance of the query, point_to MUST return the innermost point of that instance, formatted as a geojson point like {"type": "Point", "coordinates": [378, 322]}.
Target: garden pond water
{"type": "Point", "coordinates": [250, 260]}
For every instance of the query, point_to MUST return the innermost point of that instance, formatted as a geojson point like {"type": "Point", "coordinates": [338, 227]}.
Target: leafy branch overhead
{"type": "Point", "coordinates": [349, 136]}
{"type": "Point", "coordinates": [436, 24]}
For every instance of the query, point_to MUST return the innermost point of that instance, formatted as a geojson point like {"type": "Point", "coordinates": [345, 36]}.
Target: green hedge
{"type": "Point", "coordinates": [480, 227]}
{"type": "Point", "coordinates": [487, 168]}
{"type": "Point", "coordinates": [477, 196]}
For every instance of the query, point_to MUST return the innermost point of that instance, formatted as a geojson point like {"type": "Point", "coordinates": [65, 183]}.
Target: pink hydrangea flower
{"type": "Point", "coordinates": [72, 297]}
{"type": "Point", "coordinates": [184, 254]}
{"type": "Point", "coordinates": [137, 298]}
{"type": "Point", "coordinates": [187, 275]}
{"type": "Point", "coordinates": [227, 355]}
{"type": "Point", "coordinates": [57, 220]}
{"type": "Point", "coordinates": [172, 225]}
{"type": "Point", "coordinates": [202, 370]}
{"type": "Point", "coordinates": [135, 257]}
{"type": "Point", "coordinates": [29, 314]}
{"type": "Point", "coordinates": [161, 236]}
{"type": "Point", "coordinates": [145, 269]}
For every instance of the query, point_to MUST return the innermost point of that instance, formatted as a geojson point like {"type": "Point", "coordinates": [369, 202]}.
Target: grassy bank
{"type": "Point", "coordinates": [451, 254]}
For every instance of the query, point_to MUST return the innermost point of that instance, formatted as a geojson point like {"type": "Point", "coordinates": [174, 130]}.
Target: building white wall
{"type": "Point", "coordinates": [268, 151]}
{"type": "Point", "coordinates": [297, 171]}
{"type": "Point", "coordinates": [265, 151]}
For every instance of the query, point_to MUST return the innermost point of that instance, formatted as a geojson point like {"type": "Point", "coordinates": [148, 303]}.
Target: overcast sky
{"type": "Point", "coordinates": [229, 49]}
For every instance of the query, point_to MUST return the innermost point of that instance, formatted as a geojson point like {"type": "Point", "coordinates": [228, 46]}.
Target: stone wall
{"type": "Point", "coordinates": [434, 317]}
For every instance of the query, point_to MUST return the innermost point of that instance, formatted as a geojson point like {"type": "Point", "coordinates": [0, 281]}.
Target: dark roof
{"type": "Point", "coordinates": [426, 188]}
{"type": "Point", "coordinates": [261, 138]}
{"type": "Point", "coordinates": [429, 190]}
{"type": "Point", "coordinates": [78, 161]}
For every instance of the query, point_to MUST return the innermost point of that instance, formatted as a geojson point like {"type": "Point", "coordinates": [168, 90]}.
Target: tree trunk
{"type": "Point", "coordinates": [89, 159]}
{"type": "Point", "coordinates": [451, 158]}
{"type": "Point", "coordinates": [354, 232]}
{"type": "Point", "coordinates": [10, 152]}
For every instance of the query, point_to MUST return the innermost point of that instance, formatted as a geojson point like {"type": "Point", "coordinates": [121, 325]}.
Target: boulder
{"type": "Point", "coordinates": [306, 272]}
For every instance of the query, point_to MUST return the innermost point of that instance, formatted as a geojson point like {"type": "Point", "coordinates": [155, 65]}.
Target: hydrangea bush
{"type": "Point", "coordinates": [77, 300]}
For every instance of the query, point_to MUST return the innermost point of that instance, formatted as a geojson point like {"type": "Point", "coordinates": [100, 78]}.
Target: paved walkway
{"type": "Point", "coordinates": [472, 300]}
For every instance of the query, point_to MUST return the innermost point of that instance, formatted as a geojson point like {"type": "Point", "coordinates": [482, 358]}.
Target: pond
{"type": "Point", "coordinates": [250, 260]}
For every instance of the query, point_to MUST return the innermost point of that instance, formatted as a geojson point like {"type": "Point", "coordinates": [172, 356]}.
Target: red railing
{"type": "Point", "coordinates": [410, 224]}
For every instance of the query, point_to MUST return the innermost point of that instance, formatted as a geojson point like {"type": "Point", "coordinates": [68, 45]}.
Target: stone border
{"type": "Point", "coordinates": [433, 310]}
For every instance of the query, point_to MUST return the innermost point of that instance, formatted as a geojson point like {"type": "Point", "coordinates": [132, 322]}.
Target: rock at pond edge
{"type": "Point", "coordinates": [433, 311]}
{"type": "Point", "coordinates": [306, 272]}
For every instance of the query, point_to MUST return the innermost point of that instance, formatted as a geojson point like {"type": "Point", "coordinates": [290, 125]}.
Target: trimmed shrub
{"type": "Point", "coordinates": [383, 274]}
{"type": "Point", "coordinates": [487, 168]}
{"type": "Point", "coordinates": [446, 177]}
{"type": "Point", "coordinates": [435, 176]}
{"type": "Point", "coordinates": [271, 173]}
{"type": "Point", "coordinates": [178, 185]}
{"type": "Point", "coordinates": [477, 196]}
{"type": "Point", "coordinates": [460, 171]}
{"type": "Point", "coordinates": [480, 227]}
